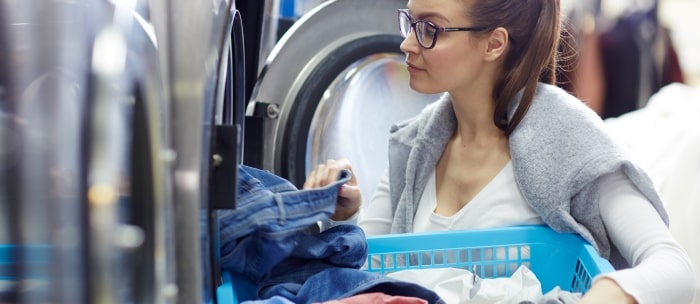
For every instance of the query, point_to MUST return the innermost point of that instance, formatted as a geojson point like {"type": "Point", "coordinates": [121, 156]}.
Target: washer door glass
{"type": "Point", "coordinates": [356, 112]}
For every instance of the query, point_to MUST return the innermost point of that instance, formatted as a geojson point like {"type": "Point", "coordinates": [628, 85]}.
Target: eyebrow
{"type": "Point", "coordinates": [426, 15]}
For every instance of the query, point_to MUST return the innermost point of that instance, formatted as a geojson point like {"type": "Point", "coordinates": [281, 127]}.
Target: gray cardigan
{"type": "Point", "coordinates": [559, 151]}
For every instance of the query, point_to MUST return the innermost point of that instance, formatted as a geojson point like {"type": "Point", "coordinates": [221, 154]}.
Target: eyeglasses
{"type": "Point", "coordinates": [426, 31]}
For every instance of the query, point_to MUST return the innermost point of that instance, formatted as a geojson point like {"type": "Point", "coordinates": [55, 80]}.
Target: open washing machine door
{"type": "Point", "coordinates": [331, 88]}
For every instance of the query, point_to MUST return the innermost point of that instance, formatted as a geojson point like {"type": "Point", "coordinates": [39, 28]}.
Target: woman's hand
{"type": "Point", "coordinates": [606, 290]}
{"type": "Point", "coordinates": [349, 196]}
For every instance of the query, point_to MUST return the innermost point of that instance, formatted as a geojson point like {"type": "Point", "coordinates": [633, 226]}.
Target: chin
{"type": "Point", "coordinates": [423, 88]}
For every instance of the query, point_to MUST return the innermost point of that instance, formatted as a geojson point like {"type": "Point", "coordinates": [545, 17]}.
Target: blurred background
{"type": "Point", "coordinates": [122, 123]}
{"type": "Point", "coordinates": [680, 17]}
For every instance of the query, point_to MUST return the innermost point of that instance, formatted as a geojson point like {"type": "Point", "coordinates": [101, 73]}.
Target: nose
{"type": "Point", "coordinates": [410, 43]}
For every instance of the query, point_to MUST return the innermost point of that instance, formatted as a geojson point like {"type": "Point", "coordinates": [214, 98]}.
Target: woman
{"type": "Point", "coordinates": [505, 147]}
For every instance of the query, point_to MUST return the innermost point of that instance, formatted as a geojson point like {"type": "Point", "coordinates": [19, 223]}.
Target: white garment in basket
{"type": "Point", "coordinates": [456, 285]}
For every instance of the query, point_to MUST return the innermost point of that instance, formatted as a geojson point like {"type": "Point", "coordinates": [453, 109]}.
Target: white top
{"type": "Point", "coordinates": [499, 204]}
{"type": "Point", "coordinates": [658, 262]}
{"type": "Point", "coordinates": [664, 139]}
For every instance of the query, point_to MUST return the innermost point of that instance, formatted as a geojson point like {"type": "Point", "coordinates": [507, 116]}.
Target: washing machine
{"type": "Point", "coordinates": [331, 88]}
{"type": "Point", "coordinates": [117, 132]}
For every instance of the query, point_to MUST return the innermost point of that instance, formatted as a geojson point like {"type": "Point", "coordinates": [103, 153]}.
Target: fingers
{"type": "Point", "coordinates": [349, 196]}
{"type": "Point", "coordinates": [328, 173]}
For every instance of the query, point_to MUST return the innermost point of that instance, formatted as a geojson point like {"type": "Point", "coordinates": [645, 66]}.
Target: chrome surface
{"type": "Point", "coordinates": [109, 140]}
{"type": "Point", "coordinates": [129, 209]}
{"type": "Point", "coordinates": [43, 71]}
{"type": "Point", "coordinates": [192, 53]}
{"type": "Point", "coordinates": [268, 37]}
{"type": "Point", "coordinates": [84, 84]}
{"type": "Point", "coordinates": [306, 43]}
{"type": "Point", "coordinates": [151, 212]}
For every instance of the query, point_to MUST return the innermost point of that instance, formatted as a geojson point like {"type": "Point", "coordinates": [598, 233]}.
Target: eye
{"type": "Point", "coordinates": [427, 31]}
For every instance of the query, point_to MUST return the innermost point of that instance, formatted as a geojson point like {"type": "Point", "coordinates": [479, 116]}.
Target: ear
{"type": "Point", "coordinates": [497, 43]}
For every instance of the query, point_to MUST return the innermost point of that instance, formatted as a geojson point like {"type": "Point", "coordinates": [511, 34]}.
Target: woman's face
{"type": "Point", "coordinates": [455, 60]}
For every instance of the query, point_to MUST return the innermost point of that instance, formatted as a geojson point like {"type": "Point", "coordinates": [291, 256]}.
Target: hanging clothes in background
{"type": "Point", "coordinates": [638, 58]}
{"type": "Point", "coordinates": [616, 65]}
{"type": "Point", "coordinates": [580, 70]}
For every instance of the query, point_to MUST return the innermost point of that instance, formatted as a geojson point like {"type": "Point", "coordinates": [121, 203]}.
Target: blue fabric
{"type": "Point", "coordinates": [273, 300]}
{"type": "Point", "coordinates": [325, 267]}
{"type": "Point", "coordinates": [266, 238]}
{"type": "Point", "coordinates": [269, 213]}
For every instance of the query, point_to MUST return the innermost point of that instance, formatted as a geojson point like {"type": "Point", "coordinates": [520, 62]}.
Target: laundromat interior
{"type": "Point", "coordinates": [123, 124]}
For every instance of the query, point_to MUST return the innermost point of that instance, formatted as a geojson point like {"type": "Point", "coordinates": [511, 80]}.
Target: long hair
{"type": "Point", "coordinates": [534, 28]}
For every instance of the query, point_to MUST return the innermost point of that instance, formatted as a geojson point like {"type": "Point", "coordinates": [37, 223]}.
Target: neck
{"type": "Point", "coordinates": [474, 113]}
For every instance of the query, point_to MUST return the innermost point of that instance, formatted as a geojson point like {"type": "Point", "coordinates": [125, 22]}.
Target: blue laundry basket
{"type": "Point", "coordinates": [557, 259]}
{"type": "Point", "coordinates": [36, 264]}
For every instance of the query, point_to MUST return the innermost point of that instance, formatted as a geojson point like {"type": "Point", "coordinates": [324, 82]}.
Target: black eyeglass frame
{"type": "Point", "coordinates": [438, 30]}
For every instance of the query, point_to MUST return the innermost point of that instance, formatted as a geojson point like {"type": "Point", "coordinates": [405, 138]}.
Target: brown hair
{"type": "Point", "coordinates": [534, 30]}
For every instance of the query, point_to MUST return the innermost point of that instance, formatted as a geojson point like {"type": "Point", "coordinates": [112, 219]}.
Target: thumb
{"type": "Point", "coordinates": [351, 194]}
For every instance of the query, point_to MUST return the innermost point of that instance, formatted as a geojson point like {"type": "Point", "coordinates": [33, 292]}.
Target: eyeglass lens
{"type": "Point", "coordinates": [425, 32]}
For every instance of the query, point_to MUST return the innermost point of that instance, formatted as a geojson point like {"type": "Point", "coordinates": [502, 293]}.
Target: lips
{"type": "Point", "coordinates": [413, 67]}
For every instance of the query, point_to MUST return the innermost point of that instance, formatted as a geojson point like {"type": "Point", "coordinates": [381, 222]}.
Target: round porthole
{"type": "Point", "coordinates": [346, 107]}
{"type": "Point", "coordinates": [331, 87]}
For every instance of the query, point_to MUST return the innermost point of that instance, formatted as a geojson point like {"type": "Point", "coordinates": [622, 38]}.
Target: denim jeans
{"type": "Point", "coordinates": [265, 238]}
{"type": "Point", "coordinates": [326, 267]}
{"type": "Point", "coordinates": [270, 212]}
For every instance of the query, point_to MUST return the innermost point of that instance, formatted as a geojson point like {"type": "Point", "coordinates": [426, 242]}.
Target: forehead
{"type": "Point", "coordinates": [449, 10]}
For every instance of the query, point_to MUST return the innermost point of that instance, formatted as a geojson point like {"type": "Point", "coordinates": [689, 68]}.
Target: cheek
{"type": "Point", "coordinates": [450, 67]}
{"type": "Point", "coordinates": [442, 61]}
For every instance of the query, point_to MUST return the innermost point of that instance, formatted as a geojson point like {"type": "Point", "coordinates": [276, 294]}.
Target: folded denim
{"type": "Point", "coordinates": [326, 267]}
{"type": "Point", "coordinates": [340, 246]}
{"type": "Point", "coordinates": [266, 239]}
{"type": "Point", "coordinates": [270, 212]}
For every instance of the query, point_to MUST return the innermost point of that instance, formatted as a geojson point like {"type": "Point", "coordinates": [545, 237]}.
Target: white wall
{"type": "Point", "coordinates": [683, 18]}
